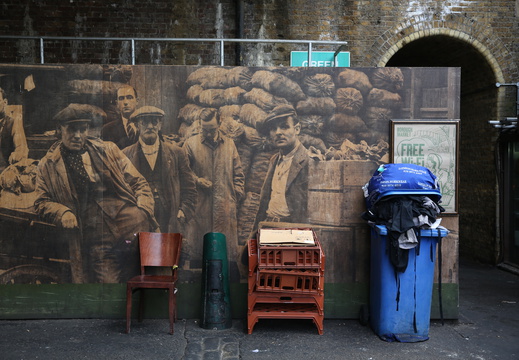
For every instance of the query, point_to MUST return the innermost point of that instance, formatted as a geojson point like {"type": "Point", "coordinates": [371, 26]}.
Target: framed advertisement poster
{"type": "Point", "coordinates": [434, 145]}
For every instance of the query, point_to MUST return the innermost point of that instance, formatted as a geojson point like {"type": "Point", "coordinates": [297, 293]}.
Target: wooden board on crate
{"type": "Point", "coordinates": [296, 237]}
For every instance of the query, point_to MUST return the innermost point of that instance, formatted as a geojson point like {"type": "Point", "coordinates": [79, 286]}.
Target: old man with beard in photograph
{"type": "Point", "coordinates": [91, 191]}
{"type": "Point", "coordinates": [166, 168]}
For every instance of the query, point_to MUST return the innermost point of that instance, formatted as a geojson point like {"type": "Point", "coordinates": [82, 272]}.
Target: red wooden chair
{"type": "Point", "coordinates": [156, 250]}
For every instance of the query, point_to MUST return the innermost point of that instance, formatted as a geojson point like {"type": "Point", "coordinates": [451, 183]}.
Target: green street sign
{"type": "Point", "coordinates": [320, 58]}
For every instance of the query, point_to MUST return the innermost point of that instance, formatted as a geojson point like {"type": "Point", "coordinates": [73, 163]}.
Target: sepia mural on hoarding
{"type": "Point", "coordinates": [93, 154]}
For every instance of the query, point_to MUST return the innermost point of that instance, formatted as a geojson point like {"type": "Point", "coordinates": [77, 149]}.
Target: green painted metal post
{"type": "Point", "coordinates": [216, 304]}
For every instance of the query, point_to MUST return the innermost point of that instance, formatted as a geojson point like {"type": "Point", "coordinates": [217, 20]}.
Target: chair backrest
{"type": "Point", "coordinates": [159, 249]}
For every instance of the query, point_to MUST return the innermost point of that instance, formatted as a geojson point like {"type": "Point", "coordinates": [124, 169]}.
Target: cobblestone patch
{"type": "Point", "coordinates": [204, 344]}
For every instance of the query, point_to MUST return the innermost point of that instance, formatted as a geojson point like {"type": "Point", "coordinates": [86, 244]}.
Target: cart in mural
{"type": "Point", "coordinates": [31, 251]}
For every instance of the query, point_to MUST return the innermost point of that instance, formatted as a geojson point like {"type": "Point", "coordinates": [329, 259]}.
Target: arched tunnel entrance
{"type": "Point", "coordinates": [477, 197]}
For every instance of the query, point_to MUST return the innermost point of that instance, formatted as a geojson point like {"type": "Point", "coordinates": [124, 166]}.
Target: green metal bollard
{"type": "Point", "coordinates": [216, 304]}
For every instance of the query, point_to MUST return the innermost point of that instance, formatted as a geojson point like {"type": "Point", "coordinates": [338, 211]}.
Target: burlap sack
{"type": "Point", "coordinates": [263, 99]}
{"type": "Point", "coordinates": [319, 85]}
{"type": "Point", "coordinates": [349, 100]}
{"type": "Point", "coordinates": [388, 78]}
{"type": "Point", "coordinates": [316, 105]}
{"type": "Point", "coordinates": [278, 85]}
{"type": "Point", "coordinates": [355, 79]}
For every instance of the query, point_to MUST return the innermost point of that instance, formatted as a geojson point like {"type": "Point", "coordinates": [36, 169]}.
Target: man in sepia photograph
{"type": "Point", "coordinates": [121, 131]}
{"type": "Point", "coordinates": [284, 194]}
{"type": "Point", "coordinates": [220, 184]}
{"type": "Point", "coordinates": [166, 168]}
{"type": "Point", "coordinates": [12, 136]}
{"type": "Point", "coordinates": [89, 189]}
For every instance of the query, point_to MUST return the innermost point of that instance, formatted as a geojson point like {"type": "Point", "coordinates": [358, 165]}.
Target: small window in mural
{"type": "Point", "coordinates": [93, 154]}
{"type": "Point", "coordinates": [434, 145]}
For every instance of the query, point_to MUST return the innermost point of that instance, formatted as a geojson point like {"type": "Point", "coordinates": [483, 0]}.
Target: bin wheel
{"type": "Point", "coordinates": [364, 315]}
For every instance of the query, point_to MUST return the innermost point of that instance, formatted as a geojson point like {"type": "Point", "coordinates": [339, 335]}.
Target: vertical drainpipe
{"type": "Point", "coordinates": [239, 30]}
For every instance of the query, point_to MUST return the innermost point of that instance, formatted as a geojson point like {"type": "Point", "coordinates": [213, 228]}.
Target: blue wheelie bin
{"type": "Point", "coordinates": [401, 290]}
{"type": "Point", "coordinates": [400, 302]}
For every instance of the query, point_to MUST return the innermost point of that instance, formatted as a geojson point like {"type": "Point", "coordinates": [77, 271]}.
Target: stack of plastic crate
{"type": "Point", "coordinates": [285, 282]}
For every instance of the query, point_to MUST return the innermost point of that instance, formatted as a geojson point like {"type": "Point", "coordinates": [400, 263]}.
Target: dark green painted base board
{"type": "Point", "coordinates": [342, 301]}
{"type": "Point", "coordinates": [450, 302]}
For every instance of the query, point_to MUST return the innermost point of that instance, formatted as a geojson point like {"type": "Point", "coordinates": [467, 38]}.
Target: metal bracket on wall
{"type": "Point", "coordinates": [508, 122]}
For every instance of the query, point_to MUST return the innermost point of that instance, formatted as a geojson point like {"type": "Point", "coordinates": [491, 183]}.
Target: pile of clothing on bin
{"type": "Point", "coordinates": [404, 198]}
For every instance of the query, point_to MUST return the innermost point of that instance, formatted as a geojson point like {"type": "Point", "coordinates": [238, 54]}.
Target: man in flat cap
{"type": "Point", "coordinates": [122, 131]}
{"type": "Point", "coordinates": [166, 168]}
{"type": "Point", "coordinates": [220, 185]}
{"type": "Point", "coordinates": [284, 194]}
{"type": "Point", "coordinates": [90, 189]}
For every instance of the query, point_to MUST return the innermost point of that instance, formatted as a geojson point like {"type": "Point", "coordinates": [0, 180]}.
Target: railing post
{"type": "Point", "coordinates": [309, 54]}
{"type": "Point", "coordinates": [222, 57]}
{"type": "Point", "coordinates": [42, 58]}
{"type": "Point", "coordinates": [133, 51]}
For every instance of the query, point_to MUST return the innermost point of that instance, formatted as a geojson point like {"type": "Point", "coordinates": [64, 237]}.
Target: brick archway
{"type": "Point", "coordinates": [456, 26]}
{"type": "Point", "coordinates": [484, 60]}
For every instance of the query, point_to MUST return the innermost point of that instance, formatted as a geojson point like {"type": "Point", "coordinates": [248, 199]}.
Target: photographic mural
{"type": "Point", "coordinates": [93, 154]}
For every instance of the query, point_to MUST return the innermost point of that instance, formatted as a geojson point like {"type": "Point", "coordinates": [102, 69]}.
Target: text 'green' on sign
{"type": "Point", "coordinates": [320, 58]}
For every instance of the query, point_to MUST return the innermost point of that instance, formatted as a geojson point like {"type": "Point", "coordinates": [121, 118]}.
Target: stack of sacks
{"type": "Point", "coordinates": [343, 114]}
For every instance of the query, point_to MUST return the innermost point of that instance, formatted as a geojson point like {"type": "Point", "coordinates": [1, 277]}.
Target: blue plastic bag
{"type": "Point", "coordinates": [401, 179]}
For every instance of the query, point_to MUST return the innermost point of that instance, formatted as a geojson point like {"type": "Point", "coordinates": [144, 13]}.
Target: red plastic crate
{"type": "Point", "coordinates": [293, 281]}
{"type": "Point", "coordinates": [285, 311]}
{"type": "Point", "coordinates": [285, 282]}
{"type": "Point", "coordinates": [291, 256]}
{"type": "Point", "coordinates": [256, 298]}
{"type": "Point", "coordinates": [290, 281]}
{"type": "Point", "coordinates": [253, 255]}
{"type": "Point", "coordinates": [252, 282]}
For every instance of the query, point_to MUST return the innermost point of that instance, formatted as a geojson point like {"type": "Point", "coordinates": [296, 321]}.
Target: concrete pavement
{"type": "Point", "coordinates": [488, 328]}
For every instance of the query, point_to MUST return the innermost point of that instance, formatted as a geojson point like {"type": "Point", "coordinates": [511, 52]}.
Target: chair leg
{"type": "Point", "coordinates": [175, 304]}
{"type": "Point", "coordinates": [141, 305]}
{"type": "Point", "coordinates": [128, 308]}
{"type": "Point", "coordinates": [172, 310]}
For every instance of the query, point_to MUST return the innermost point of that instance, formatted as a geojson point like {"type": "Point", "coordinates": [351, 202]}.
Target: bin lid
{"type": "Point", "coordinates": [401, 179]}
{"type": "Point", "coordinates": [382, 230]}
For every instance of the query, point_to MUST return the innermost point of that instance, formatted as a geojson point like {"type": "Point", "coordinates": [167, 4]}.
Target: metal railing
{"type": "Point", "coordinates": [133, 40]}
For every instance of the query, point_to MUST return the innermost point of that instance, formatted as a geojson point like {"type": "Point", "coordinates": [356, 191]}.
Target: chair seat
{"type": "Point", "coordinates": [152, 281]}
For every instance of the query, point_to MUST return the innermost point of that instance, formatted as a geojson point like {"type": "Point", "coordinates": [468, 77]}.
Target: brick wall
{"type": "Point", "coordinates": [371, 27]}
{"type": "Point", "coordinates": [375, 30]}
